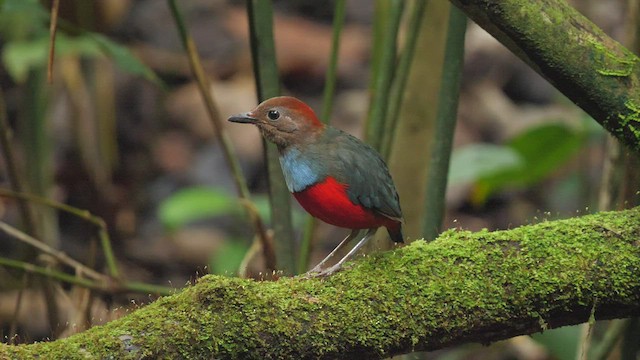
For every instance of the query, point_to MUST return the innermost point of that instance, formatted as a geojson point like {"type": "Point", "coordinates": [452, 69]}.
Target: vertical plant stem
{"type": "Point", "coordinates": [415, 128]}
{"type": "Point", "coordinates": [227, 148]}
{"type": "Point", "coordinates": [383, 72]}
{"type": "Point", "coordinates": [53, 27]}
{"type": "Point", "coordinates": [400, 79]}
{"type": "Point", "coordinates": [331, 76]}
{"type": "Point", "coordinates": [445, 124]}
{"type": "Point", "coordinates": [306, 245]}
{"type": "Point", "coordinates": [268, 85]}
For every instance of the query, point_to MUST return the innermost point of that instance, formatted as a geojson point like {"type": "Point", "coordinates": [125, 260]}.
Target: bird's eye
{"type": "Point", "coordinates": [273, 114]}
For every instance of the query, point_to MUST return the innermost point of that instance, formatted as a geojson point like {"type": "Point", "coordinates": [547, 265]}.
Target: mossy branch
{"type": "Point", "coordinates": [578, 58]}
{"type": "Point", "coordinates": [463, 287]}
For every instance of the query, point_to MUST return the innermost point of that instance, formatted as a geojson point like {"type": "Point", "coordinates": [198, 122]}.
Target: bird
{"type": "Point", "coordinates": [333, 175]}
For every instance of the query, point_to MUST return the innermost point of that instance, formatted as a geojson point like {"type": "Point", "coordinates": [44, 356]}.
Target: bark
{"type": "Point", "coordinates": [578, 58]}
{"type": "Point", "coordinates": [463, 287]}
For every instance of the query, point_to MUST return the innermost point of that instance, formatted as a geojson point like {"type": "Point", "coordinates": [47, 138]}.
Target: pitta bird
{"type": "Point", "coordinates": [333, 175]}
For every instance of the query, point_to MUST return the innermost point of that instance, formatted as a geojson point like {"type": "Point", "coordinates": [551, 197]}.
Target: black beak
{"type": "Point", "coordinates": [243, 118]}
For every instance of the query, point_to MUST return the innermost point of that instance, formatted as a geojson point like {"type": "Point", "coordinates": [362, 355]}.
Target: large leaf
{"type": "Point", "coordinates": [545, 148]}
{"type": "Point", "coordinates": [477, 161]}
{"type": "Point", "coordinates": [562, 342]}
{"type": "Point", "coordinates": [525, 160]}
{"type": "Point", "coordinates": [22, 18]}
{"type": "Point", "coordinates": [196, 203]}
{"type": "Point", "coordinates": [124, 58]}
{"type": "Point", "coordinates": [22, 55]}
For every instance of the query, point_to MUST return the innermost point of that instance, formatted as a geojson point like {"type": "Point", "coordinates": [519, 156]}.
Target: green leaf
{"type": "Point", "coordinates": [545, 148]}
{"type": "Point", "coordinates": [22, 55]}
{"type": "Point", "coordinates": [195, 203]}
{"type": "Point", "coordinates": [525, 160]}
{"type": "Point", "coordinates": [125, 59]}
{"type": "Point", "coordinates": [478, 161]}
{"type": "Point", "coordinates": [21, 18]}
{"type": "Point", "coordinates": [562, 342]}
{"type": "Point", "coordinates": [228, 258]}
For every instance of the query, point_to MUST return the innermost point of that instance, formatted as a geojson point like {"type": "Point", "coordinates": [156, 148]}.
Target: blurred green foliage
{"type": "Point", "coordinates": [198, 203]}
{"type": "Point", "coordinates": [24, 24]}
{"type": "Point", "coordinates": [523, 161]}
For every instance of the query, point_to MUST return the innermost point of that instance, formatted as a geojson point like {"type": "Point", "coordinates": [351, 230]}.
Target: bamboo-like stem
{"type": "Point", "coordinates": [55, 5]}
{"type": "Point", "coordinates": [103, 234]}
{"type": "Point", "coordinates": [50, 273]}
{"type": "Point", "coordinates": [400, 79]}
{"type": "Point", "coordinates": [105, 285]}
{"type": "Point", "coordinates": [306, 245]}
{"type": "Point", "coordinates": [260, 13]}
{"type": "Point", "coordinates": [445, 124]}
{"type": "Point", "coordinates": [384, 73]}
{"type": "Point", "coordinates": [225, 143]}
{"type": "Point", "coordinates": [332, 70]}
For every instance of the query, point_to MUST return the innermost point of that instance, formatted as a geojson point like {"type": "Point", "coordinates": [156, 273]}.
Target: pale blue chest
{"type": "Point", "coordinates": [299, 172]}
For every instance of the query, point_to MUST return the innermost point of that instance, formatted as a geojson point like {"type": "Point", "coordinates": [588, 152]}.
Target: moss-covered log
{"type": "Point", "coordinates": [578, 58]}
{"type": "Point", "coordinates": [463, 287]}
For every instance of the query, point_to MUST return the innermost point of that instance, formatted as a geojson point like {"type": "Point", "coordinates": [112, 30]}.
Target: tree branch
{"type": "Point", "coordinates": [578, 58]}
{"type": "Point", "coordinates": [463, 287]}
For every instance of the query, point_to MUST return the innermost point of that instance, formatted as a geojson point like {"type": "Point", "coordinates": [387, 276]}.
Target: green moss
{"type": "Point", "coordinates": [608, 63]}
{"type": "Point", "coordinates": [461, 287]}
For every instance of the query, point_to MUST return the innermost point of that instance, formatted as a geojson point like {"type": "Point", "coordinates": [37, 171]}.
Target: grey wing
{"type": "Point", "coordinates": [370, 183]}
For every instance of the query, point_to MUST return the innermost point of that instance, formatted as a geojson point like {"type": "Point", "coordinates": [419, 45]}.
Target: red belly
{"type": "Point", "coordinates": [329, 202]}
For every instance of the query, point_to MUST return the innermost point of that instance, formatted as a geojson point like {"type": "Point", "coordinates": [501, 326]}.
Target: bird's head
{"type": "Point", "coordinates": [283, 120]}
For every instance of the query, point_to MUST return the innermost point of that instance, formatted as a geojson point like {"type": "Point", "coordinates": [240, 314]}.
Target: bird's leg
{"type": "Point", "coordinates": [349, 255]}
{"type": "Point", "coordinates": [343, 243]}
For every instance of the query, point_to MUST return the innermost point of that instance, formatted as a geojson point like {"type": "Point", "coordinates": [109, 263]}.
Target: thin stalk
{"type": "Point", "coordinates": [103, 234]}
{"type": "Point", "coordinates": [55, 5]}
{"type": "Point", "coordinates": [13, 327]}
{"type": "Point", "coordinates": [49, 273]}
{"type": "Point", "coordinates": [306, 245]}
{"type": "Point", "coordinates": [145, 288]}
{"type": "Point", "coordinates": [381, 7]}
{"type": "Point", "coordinates": [103, 286]}
{"type": "Point", "coordinates": [332, 70]}
{"type": "Point", "coordinates": [384, 73]}
{"type": "Point", "coordinates": [445, 124]}
{"type": "Point", "coordinates": [45, 248]}
{"type": "Point", "coordinates": [221, 134]}
{"type": "Point", "coordinates": [400, 79]}
{"type": "Point", "coordinates": [263, 52]}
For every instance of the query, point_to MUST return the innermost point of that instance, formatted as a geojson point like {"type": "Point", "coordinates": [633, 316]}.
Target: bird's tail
{"type": "Point", "coordinates": [395, 232]}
